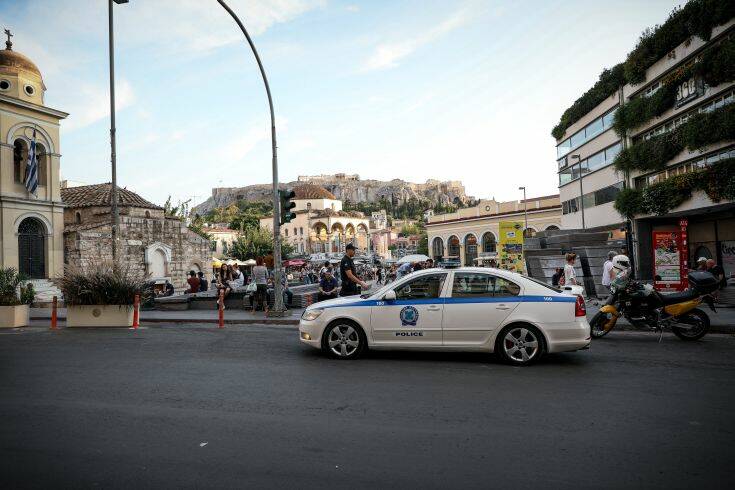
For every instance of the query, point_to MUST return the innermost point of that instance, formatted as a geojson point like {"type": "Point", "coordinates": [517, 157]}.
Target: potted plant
{"type": "Point", "coordinates": [14, 299]}
{"type": "Point", "coordinates": [101, 295]}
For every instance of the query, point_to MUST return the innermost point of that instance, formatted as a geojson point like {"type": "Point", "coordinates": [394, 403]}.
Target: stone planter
{"type": "Point", "coordinates": [14, 316]}
{"type": "Point", "coordinates": [99, 316]}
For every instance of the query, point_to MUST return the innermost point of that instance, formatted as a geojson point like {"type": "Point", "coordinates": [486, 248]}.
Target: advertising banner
{"type": "Point", "coordinates": [511, 246]}
{"type": "Point", "coordinates": [667, 263]}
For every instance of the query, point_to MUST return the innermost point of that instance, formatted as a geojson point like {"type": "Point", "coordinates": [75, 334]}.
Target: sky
{"type": "Point", "coordinates": [452, 90]}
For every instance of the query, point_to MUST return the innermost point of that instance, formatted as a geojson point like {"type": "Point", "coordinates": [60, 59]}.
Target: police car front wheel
{"type": "Point", "coordinates": [343, 340]}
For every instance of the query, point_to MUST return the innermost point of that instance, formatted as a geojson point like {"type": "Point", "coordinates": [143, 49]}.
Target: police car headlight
{"type": "Point", "coordinates": [310, 315]}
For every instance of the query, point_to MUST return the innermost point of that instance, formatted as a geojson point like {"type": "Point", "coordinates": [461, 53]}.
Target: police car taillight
{"type": "Point", "coordinates": [579, 307]}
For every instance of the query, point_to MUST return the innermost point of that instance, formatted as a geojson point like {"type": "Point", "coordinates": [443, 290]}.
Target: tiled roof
{"type": "Point", "coordinates": [100, 195]}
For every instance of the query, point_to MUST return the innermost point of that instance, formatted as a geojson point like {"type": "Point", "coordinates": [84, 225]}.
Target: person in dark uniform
{"type": "Point", "coordinates": [348, 274]}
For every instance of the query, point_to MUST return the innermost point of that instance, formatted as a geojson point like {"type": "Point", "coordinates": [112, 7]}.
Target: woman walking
{"type": "Point", "coordinates": [260, 277]}
{"type": "Point", "coordinates": [570, 278]}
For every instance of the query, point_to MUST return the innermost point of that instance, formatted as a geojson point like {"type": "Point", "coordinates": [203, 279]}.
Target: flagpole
{"type": "Point", "coordinates": [113, 156]}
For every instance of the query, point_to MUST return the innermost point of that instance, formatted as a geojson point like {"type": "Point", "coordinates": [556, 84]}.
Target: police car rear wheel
{"type": "Point", "coordinates": [344, 340]}
{"type": "Point", "coordinates": [520, 344]}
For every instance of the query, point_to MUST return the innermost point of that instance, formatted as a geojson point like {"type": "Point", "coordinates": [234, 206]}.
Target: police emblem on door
{"type": "Point", "coordinates": [409, 316]}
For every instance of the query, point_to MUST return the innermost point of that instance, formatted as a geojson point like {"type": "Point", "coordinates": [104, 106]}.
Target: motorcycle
{"type": "Point", "coordinates": [644, 307]}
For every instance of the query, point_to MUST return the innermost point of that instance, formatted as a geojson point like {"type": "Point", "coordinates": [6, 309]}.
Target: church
{"type": "Point", "coordinates": [32, 224]}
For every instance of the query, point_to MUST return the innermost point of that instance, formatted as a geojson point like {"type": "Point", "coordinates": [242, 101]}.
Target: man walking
{"type": "Point", "coordinates": [348, 274]}
{"type": "Point", "coordinates": [608, 273]}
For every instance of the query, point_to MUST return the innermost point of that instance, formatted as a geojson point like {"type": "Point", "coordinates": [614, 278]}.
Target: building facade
{"type": "Point", "coordinates": [321, 226]}
{"type": "Point", "coordinates": [222, 239]}
{"type": "Point", "coordinates": [589, 182]}
{"type": "Point", "coordinates": [469, 233]}
{"type": "Point", "coordinates": [31, 225]}
{"type": "Point", "coordinates": [157, 246]}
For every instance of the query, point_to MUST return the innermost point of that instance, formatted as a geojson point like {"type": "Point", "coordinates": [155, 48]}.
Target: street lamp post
{"type": "Point", "coordinates": [278, 307]}
{"type": "Point", "coordinates": [525, 209]}
{"type": "Point", "coordinates": [581, 192]}
{"type": "Point", "coordinates": [113, 155]}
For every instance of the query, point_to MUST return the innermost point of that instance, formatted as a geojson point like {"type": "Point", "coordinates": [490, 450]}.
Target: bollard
{"type": "Point", "coordinates": [221, 309]}
{"type": "Point", "coordinates": [54, 317]}
{"type": "Point", "coordinates": [136, 312]}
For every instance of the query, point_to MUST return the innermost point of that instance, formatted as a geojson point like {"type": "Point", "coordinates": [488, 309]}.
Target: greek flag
{"type": "Point", "coordinates": [31, 180]}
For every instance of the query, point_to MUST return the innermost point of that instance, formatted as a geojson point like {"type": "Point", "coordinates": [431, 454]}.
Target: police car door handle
{"type": "Point", "coordinates": [502, 307]}
{"type": "Point", "coordinates": [433, 308]}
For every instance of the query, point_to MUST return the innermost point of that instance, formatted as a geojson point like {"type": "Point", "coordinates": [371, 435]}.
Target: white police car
{"type": "Point", "coordinates": [467, 309]}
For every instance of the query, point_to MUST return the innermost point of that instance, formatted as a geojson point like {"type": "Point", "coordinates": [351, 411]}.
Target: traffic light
{"type": "Point", "coordinates": [287, 205]}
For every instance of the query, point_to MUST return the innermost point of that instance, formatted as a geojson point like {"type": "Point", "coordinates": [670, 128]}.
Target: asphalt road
{"type": "Point", "coordinates": [249, 407]}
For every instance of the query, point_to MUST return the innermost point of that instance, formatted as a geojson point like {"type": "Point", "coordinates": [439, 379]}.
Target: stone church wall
{"type": "Point", "coordinates": [88, 247]}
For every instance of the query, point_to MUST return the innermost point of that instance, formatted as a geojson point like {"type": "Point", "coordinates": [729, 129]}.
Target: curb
{"type": "Point", "coordinates": [232, 321]}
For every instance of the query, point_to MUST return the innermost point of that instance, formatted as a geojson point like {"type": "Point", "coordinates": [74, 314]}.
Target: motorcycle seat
{"type": "Point", "coordinates": [674, 298]}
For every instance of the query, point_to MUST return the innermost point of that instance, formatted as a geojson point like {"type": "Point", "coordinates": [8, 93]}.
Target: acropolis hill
{"type": "Point", "coordinates": [347, 187]}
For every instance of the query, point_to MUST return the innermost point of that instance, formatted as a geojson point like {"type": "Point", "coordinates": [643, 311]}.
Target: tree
{"type": "Point", "coordinates": [257, 242]}
{"type": "Point", "coordinates": [423, 246]}
{"type": "Point", "coordinates": [181, 211]}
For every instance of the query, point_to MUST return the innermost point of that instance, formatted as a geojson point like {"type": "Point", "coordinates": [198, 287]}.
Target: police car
{"type": "Point", "coordinates": [465, 309]}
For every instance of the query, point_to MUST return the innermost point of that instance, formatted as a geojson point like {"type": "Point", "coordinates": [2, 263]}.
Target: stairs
{"type": "Point", "coordinates": [45, 292]}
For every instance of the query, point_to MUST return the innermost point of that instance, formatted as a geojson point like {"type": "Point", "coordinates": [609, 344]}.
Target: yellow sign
{"type": "Point", "coordinates": [511, 246]}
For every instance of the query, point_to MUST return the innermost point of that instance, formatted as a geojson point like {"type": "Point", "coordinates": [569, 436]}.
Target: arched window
{"type": "Point", "coordinates": [470, 249]}
{"type": "Point", "coordinates": [437, 248]}
{"type": "Point", "coordinates": [453, 246]}
{"type": "Point", "coordinates": [42, 159]}
{"type": "Point", "coordinates": [552, 227]}
{"type": "Point", "coordinates": [77, 217]}
{"type": "Point", "coordinates": [488, 242]}
{"type": "Point", "coordinates": [20, 157]}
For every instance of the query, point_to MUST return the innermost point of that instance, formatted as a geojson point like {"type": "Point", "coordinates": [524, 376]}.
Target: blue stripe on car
{"type": "Point", "coordinates": [482, 299]}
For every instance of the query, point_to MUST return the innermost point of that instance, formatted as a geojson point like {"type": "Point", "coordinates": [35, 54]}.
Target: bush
{"type": "Point", "coordinates": [102, 284]}
{"type": "Point", "coordinates": [718, 181]}
{"type": "Point", "coordinates": [9, 284]}
{"type": "Point", "coordinates": [662, 197]}
{"type": "Point", "coordinates": [629, 202]}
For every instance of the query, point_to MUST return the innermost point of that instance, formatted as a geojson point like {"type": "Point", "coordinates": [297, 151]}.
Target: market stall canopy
{"type": "Point", "coordinates": [250, 262]}
{"type": "Point", "coordinates": [413, 258]}
{"type": "Point", "coordinates": [294, 263]}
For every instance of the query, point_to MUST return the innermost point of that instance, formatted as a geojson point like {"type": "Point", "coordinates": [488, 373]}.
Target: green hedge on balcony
{"type": "Point", "coordinates": [717, 181]}
{"type": "Point", "coordinates": [701, 130]}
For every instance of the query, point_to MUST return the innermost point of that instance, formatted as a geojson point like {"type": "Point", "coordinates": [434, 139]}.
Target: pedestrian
{"type": "Point", "coordinates": [326, 267]}
{"type": "Point", "coordinates": [287, 293]}
{"type": "Point", "coordinates": [223, 282]}
{"type": "Point", "coordinates": [193, 282]}
{"type": "Point", "coordinates": [237, 277]}
{"type": "Point", "coordinates": [350, 281]}
{"type": "Point", "coordinates": [702, 264]}
{"type": "Point", "coordinates": [570, 278]}
{"type": "Point", "coordinates": [558, 273]}
{"type": "Point", "coordinates": [429, 264]}
{"type": "Point", "coordinates": [203, 283]}
{"type": "Point", "coordinates": [718, 272]}
{"type": "Point", "coordinates": [608, 273]}
{"type": "Point", "coordinates": [327, 287]}
{"type": "Point", "coordinates": [168, 289]}
{"type": "Point", "coordinates": [260, 277]}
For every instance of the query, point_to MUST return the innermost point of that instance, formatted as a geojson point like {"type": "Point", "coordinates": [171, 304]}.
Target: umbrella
{"type": "Point", "coordinates": [413, 258]}
{"type": "Point", "coordinates": [249, 262]}
{"type": "Point", "coordinates": [216, 263]}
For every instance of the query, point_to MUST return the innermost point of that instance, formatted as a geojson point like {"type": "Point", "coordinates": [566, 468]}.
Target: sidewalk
{"type": "Point", "coordinates": [232, 316]}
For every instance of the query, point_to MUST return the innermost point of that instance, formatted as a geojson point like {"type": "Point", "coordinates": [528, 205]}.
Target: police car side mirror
{"type": "Point", "coordinates": [390, 296]}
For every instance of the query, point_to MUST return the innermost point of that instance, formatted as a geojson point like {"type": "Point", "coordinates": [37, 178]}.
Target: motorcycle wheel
{"type": "Point", "coordinates": [700, 325]}
{"type": "Point", "coordinates": [597, 325]}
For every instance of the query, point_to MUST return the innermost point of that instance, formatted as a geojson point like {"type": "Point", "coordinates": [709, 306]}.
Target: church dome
{"type": "Point", "coordinates": [13, 61]}
{"type": "Point", "coordinates": [310, 191]}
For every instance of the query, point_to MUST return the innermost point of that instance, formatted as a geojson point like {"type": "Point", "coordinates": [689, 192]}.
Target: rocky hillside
{"type": "Point", "coordinates": [346, 188]}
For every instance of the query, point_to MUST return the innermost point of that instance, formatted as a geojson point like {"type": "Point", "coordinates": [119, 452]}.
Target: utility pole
{"type": "Point", "coordinates": [525, 209]}
{"type": "Point", "coordinates": [278, 306]}
{"type": "Point", "coordinates": [113, 155]}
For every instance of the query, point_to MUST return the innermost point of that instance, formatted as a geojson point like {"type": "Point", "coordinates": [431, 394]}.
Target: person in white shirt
{"type": "Point", "coordinates": [570, 278]}
{"type": "Point", "coordinates": [608, 273]}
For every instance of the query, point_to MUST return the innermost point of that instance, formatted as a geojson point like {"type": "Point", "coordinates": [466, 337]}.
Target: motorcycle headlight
{"type": "Point", "coordinates": [310, 315]}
